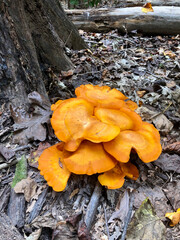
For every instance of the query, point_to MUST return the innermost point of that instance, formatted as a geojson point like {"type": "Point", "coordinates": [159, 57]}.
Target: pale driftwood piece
{"type": "Point", "coordinates": [16, 208]}
{"type": "Point", "coordinates": [7, 230]}
{"type": "Point", "coordinates": [38, 206]}
{"type": "Point", "coordinates": [92, 207]}
{"type": "Point", "coordinates": [133, 3]}
{"type": "Point", "coordinates": [164, 20]}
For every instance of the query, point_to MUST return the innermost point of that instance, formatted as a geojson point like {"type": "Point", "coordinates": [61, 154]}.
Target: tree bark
{"type": "Point", "coordinates": [7, 230]}
{"type": "Point", "coordinates": [164, 20]}
{"type": "Point", "coordinates": [33, 36]}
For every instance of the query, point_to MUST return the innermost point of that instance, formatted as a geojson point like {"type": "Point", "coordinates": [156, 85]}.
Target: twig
{"type": "Point", "coordinates": [162, 112]}
{"type": "Point", "coordinates": [6, 165]}
{"type": "Point", "coordinates": [38, 206]}
{"type": "Point", "coordinates": [156, 76]}
{"type": "Point", "coordinates": [80, 194]}
{"type": "Point", "coordinates": [4, 131]}
{"type": "Point", "coordinates": [22, 148]}
{"type": "Point", "coordinates": [128, 218]}
{"type": "Point", "coordinates": [105, 216]}
{"type": "Point", "coordinates": [92, 207]}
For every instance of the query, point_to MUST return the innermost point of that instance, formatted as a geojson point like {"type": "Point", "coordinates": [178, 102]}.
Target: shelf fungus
{"type": "Point", "coordinates": [102, 96]}
{"type": "Point", "coordinates": [99, 129]}
{"type": "Point", "coordinates": [73, 121]}
{"type": "Point", "coordinates": [115, 177]}
{"type": "Point", "coordinates": [53, 169]}
{"type": "Point", "coordinates": [145, 141]}
{"type": "Point", "coordinates": [124, 118]}
{"type": "Point", "coordinates": [131, 105]}
{"type": "Point", "coordinates": [89, 158]}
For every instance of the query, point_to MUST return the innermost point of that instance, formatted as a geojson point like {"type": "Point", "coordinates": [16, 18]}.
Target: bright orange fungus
{"type": "Point", "coordinates": [98, 130]}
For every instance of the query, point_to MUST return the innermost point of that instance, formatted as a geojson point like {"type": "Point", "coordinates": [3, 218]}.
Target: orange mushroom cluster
{"type": "Point", "coordinates": [98, 130]}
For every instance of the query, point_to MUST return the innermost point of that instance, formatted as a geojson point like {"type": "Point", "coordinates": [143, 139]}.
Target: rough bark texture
{"type": "Point", "coordinates": [7, 230]}
{"type": "Point", "coordinates": [33, 36]}
{"type": "Point", "coordinates": [16, 209]}
{"type": "Point", "coordinates": [133, 3]}
{"type": "Point", "coordinates": [164, 20]}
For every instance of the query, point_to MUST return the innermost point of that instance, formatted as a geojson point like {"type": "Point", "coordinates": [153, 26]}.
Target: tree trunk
{"type": "Point", "coordinates": [164, 20]}
{"type": "Point", "coordinates": [33, 36]}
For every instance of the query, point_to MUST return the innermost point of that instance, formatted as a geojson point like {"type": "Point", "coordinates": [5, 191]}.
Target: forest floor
{"type": "Point", "coordinates": [147, 70]}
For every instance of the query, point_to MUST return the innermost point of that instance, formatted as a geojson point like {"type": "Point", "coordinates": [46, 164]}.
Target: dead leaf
{"type": "Point", "coordinates": [74, 192]}
{"type": "Point", "coordinates": [74, 219]}
{"type": "Point", "coordinates": [162, 123]}
{"type": "Point", "coordinates": [174, 217]}
{"type": "Point", "coordinates": [168, 162]}
{"type": "Point", "coordinates": [31, 206]}
{"type": "Point", "coordinates": [160, 120]}
{"type": "Point", "coordinates": [172, 192]}
{"type": "Point", "coordinates": [34, 235]}
{"type": "Point", "coordinates": [83, 232]}
{"type": "Point", "coordinates": [7, 153]}
{"type": "Point", "coordinates": [68, 73]}
{"type": "Point", "coordinates": [173, 148]}
{"type": "Point", "coordinates": [169, 54]}
{"type": "Point", "coordinates": [156, 196]}
{"type": "Point", "coordinates": [30, 126]}
{"type": "Point", "coordinates": [63, 232]}
{"type": "Point", "coordinates": [145, 224]}
{"type": "Point", "coordinates": [141, 93]}
{"type": "Point", "coordinates": [46, 220]}
{"type": "Point", "coordinates": [147, 8]}
{"type": "Point", "coordinates": [27, 186]}
{"type": "Point", "coordinates": [34, 155]}
{"type": "Point", "coordinates": [171, 84]}
{"type": "Point", "coordinates": [35, 198]}
{"type": "Point", "coordinates": [116, 233]}
{"type": "Point", "coordinates": [121, 213]}
{"type": "Point", "coordinates": [99, 227]}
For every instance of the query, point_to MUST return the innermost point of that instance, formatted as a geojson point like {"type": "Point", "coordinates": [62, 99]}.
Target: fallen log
{"type": "Point", "coordinates": [135, 3]}
{"type": "Point", "coordinates": [163, 21]}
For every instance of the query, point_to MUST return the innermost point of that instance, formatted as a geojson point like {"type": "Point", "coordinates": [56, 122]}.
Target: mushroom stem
{"type": "Point", "coordinates": [92, 207]}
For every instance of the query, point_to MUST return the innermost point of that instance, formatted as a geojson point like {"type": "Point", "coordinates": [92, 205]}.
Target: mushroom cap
{"type": "Point", "coordinates": [124, 118]}
{"type": "Point", "coordinates": [113, 178]}
{"type": "Point", "coordinates": [51, 166]}
{"type": "Point", "coordinates": [89, 158]}
{"type": "Point", "coordinates": [102, 96]}
{"type": "Point", "coordinates": [131, 105]}
{"type": "Point", "coordinates": [56, 105]}
{"type": "Point", "coordinates": [73, 121]}
{"type": "Point", "coordinates": [174, 217]}
{"type": "Point", "coordinates": [146, 142]}
{"type": "Point", "coordinates": [130, 170]}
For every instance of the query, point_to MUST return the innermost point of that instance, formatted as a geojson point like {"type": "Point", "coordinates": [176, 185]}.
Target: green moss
{"type": "Point", "coordinates": [21, 171]}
